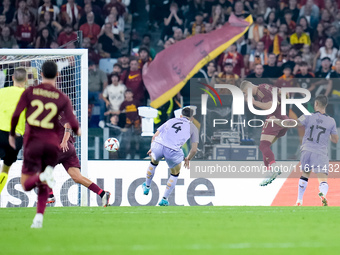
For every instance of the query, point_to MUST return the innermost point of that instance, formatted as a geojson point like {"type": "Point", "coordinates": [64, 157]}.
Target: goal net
{"type": "Point", "coordinates": [73, 81]}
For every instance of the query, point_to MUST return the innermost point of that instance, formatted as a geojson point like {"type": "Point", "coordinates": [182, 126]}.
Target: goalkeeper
{"type": "Point", "coordinates": [9, 98]}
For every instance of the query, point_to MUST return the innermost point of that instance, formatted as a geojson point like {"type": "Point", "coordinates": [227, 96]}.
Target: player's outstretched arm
{"type": "Point", "coordinates": [191, 154]}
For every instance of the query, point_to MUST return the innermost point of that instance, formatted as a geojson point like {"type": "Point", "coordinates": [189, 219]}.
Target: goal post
{"type": "Point", "coordinates": [72, 80]}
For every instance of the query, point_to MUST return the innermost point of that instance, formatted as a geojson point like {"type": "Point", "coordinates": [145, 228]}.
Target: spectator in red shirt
{"type": "Point", "coordinates": [132, 78]}
{"type": "Point", "coordinates": [67, 35]}
{"type": "Point", "coordinates": [130, 107]}
{"type": "Point", "coordinates": [90, 29]}
{"type": "Point", "coordinates": [236, 59]}
{"type": "Point", "coordinates": [26, 33]}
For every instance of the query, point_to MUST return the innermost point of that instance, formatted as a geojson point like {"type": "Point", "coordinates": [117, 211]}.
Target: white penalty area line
{"type": "Point", "coordinates": [232, 246]}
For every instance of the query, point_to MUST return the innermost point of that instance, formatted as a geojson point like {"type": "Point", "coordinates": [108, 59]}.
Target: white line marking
{"type": "Point", "coordinates": [234, 246]}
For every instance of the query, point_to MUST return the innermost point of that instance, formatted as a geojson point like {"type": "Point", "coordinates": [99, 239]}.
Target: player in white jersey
{"type": "Point", "coordinates": [319, 129]}
{"type": "Point", "coordinates": [167, 143]}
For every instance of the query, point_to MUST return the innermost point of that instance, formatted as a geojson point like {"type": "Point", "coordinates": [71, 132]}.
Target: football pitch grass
{"type": "Point", "coordinates": [172, 230]}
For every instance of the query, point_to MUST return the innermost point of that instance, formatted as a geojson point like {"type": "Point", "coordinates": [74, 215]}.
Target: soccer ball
{"type": "Point", "coordinates": [111, 144]}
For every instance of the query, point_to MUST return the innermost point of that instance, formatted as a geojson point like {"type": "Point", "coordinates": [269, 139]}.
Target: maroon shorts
{"type": "Point", "coordinates": [38, 155]}
{"type": "Point", "coordinates": [69, 158]}
{"type": "Point", "coordinates": [273, 129]}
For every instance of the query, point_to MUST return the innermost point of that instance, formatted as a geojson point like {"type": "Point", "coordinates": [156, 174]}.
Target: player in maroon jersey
{"type": "Point", "coordinates": [43, 104]}
{"type": "Point", "coordinates": [263, 99]}
{"type": "Point", "coordinates": [68, 158]}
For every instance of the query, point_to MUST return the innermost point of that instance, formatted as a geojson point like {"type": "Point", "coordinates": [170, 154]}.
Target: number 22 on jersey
{"type": "Point", "coordinates": [45, 122]}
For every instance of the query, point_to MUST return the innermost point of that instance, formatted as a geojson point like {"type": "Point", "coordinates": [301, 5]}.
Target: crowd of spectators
{"type": "Point", "coordinates": [290, 43]}
{"type": "Point", "coordinates": [53, 23]}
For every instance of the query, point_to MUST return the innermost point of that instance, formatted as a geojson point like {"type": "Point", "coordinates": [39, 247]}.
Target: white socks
{"type": "Point", "coordinates": [323, 188]}
{"type": "Point", "coordinates": [38, 221]}
{"type": "Point", "coordinates": [303, 182]}
{"type": "Point", "coordinates": [150, 173]}
{"type": "Point", "coordinates": [170, 185]}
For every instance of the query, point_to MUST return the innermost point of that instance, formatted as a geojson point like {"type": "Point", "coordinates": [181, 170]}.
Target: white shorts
{"type": "Point", "coordinates": [313, 161]}
{"type": "Point", "coordinates": [172, 157]}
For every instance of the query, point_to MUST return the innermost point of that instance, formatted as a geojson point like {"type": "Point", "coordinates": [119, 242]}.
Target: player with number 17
{"type": "Point", "coordinates": [319, 130]}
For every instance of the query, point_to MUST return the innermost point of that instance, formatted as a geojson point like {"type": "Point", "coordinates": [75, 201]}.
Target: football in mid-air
{"type": "Point", "coordinates": [111, 144]}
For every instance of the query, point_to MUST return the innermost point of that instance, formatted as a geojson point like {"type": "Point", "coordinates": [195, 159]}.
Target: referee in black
{"type": "Point", "coordinates": [9, 98]}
